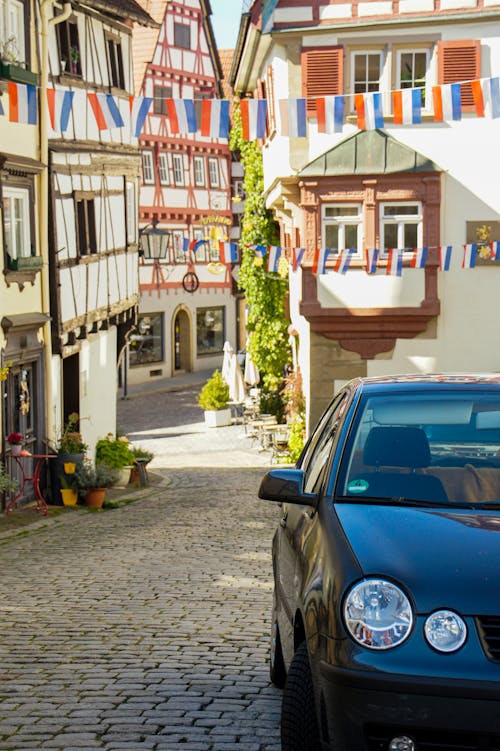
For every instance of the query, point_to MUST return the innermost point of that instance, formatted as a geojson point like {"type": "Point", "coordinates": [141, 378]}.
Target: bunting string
{"type": "Point", "coordinates": [404, 106]}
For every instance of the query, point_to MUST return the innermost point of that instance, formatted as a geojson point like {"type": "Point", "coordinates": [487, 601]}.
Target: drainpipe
{"type": "Point", "coordinates": [46, 23]}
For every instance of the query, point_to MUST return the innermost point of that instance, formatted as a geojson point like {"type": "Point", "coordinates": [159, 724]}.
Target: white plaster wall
{"type": "Point", "coordinates": [98, 380]}
{"type": "Point", "coordinates": [357, 289]}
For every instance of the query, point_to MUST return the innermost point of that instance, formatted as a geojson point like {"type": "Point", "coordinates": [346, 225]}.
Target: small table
{"type": "Point", "coordinates": [39, 459]}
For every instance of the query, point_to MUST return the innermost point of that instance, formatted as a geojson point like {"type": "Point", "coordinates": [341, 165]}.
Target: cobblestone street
{"type": "Point", "coordinates": [146, 626]}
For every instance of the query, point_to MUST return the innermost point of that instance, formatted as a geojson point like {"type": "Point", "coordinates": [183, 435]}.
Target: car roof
{"type": "Point", "coordinates": [428, 382]}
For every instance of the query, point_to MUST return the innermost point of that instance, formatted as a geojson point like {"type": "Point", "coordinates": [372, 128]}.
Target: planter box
{"type": "Point", "coordinates": [17, 73]}
{"type": "Point", "coordinates": [31, 263]}
{"type": "Point", "coordinates": [217, 418]}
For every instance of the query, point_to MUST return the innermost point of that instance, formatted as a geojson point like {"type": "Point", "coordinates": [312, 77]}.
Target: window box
{"type": "Point", "coordinates": [24, 263]}
{"type": "Point", "coordinates": [17, 73]}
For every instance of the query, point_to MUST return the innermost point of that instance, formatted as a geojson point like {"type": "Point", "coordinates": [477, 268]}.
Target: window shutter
{"type": "Point", "coordinates": [460, 61]}
{"type": "Point", "coordinates": [322, 73]}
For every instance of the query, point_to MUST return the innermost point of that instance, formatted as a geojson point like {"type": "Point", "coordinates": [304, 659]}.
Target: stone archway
{"type": "Point", "coordinates": [182, 338]}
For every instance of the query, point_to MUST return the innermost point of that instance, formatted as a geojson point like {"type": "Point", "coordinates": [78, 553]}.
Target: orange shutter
{"type": "Point", "coordinates": [460, 61]}
{"type": "Point", "coordinates": [322, 73]}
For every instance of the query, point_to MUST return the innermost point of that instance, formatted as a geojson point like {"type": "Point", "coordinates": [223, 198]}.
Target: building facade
{"type": "Point", "coordinates": [187, 309]}
{"type": "Point", "coordinates": [428, 184]}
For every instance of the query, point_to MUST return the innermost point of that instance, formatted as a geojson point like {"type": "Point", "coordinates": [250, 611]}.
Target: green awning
{"type": "Point", "coordinates": [368, 152]}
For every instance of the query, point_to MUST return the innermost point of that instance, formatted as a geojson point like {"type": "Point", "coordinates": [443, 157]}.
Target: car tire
{"type": "Point", "coordinates": [277, 670]}
{"type": "Point", "coordinates": [299, 723]}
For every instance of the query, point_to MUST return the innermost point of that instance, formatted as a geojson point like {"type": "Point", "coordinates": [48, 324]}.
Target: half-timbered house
{"type": "Point", "coordinates": [423, 179]}
{"type": "Point", "coordinates": [94, 167]}
{"type": "Point", "coordinates": [187, 310]}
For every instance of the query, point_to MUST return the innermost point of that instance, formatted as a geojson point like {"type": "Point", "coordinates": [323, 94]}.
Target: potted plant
{"type": "Point", "coordinates": [142, 457]}
{"type": "Point", "coordinates": [15, 441]}
{"type": "Point", "coordinates": [116, 453]}
{"type": "Point", "coordinates": [7, 483]}
{"type": "Point", "coordinates": [92, 482]}
{"type": "Point", "coordinates": [69, 492]}
{"type": "Point", "coordinates": [70, 450]}
{"type": "Point", "coordinates": [213, 398]}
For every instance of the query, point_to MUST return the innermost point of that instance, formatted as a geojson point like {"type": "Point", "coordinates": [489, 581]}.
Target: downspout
{"type": "Point", "coordinates": [46, 23]}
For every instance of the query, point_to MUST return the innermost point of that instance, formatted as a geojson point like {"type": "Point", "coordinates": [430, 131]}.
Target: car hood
{"type": "Point", "coordinates": [443, 558]}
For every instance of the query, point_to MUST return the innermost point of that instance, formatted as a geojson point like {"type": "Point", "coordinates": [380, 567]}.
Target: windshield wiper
{"type": "Point", "coordinates": [401, 500]}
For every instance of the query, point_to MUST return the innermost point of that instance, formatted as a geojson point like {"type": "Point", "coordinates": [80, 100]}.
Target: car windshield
{"type": "Point", "coordinates": [434, 449]}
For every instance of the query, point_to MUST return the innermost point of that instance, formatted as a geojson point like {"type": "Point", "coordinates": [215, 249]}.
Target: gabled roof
{"type": "Point", "coordinates": [125, 9]}
{"type": "Point", "coordinates": [368, 152]}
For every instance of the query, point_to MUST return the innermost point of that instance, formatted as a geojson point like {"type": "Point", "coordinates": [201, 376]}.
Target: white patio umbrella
{"type": "Point", "coordinates": [236, 385]}
{"type": "Point", "coordinates": [226, 361]}
{"type": "Point", "coordinates": [252, 376]}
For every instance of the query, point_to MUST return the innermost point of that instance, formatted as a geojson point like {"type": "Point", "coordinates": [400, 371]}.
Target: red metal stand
{"type": "Point", "coordinates": [41, 503]}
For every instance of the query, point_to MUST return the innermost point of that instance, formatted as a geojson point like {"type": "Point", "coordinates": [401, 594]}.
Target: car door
{"type": "Point", "coordinates": [297, 522]}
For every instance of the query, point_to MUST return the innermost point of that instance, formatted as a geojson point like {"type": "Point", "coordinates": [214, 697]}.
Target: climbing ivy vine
{"type": "Point", "coordinates": [265, 293]}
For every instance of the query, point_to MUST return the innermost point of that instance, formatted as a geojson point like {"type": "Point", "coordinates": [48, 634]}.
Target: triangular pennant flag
{"type": "Point", "coordinates": [495, 251]}
{"type": "Point", "coordinates": [293, 118]}
{"type": "Point", "coordinates": [182, 116]}
{"type": "Point", "coordinates": [228, 252]}
{"type": "Point", "coordinates": [274, 253]}
{"type": "Point", "coordinates": [106, 112]}
{"type": "Point", "coordinates": [447, 102]}
{"type": "Point", "coordinates": [139, 108]}
{"type": "Point", "coordinates": [1, 108]}
{"type": "Point", "coordinates": [22, 103]}
{"type": "Point", "coordinates": [330, 112]}
{"type": "Point", "coordinates": [486, 93]}
{"type": "Point", "coordinates": [215, 118]}
{"type": "Point", "coordinates": [297, 256]}
{"type": "Point", "coordinates": [195, 245]}
{"type": "Point", "coordinates": [371, 255]}
{"type": "Point", "coordinates": [59, 102]}
{"type": "Point", "coordinates": [419, 258]}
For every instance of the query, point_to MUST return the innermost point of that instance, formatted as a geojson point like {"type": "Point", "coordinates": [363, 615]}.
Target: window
{"type": "Point", "coordinates": [177, 240]}
{"type": "Point", "coordinates": [16, 223]}
{"type": "Point", "coordinates": [163, 168]}
{"type": "Point", "coordinates": [131, 212]}
{"type": "Point", "coordinates": [412, 67]}
{"type": "Point", "coordinates": [146, 344]}
{"type": "Point", "coordinates": [209, 331]}
{"type": "Point", "coordinates": [460, 61]}
{"type": "Point", "coordinates": [366, 70]}
{"type": "Point", "coordinates": [319, 449]}
{"type": "Point", "coordinates": [199, 171]}
{"type": "Point", "coordinates": [86, 239]}
{"type": "Point", "coordinates": [160, 93]}
{"type": "Point", "coordinates": [69, 46]}
{"type": "Point", "coordinates": [178, 170]}
{"type": "Point", "coordinates": [342, 227]}
{"type": "Point", "coordinates": [12, 35]}
{"type": "Point", "coordinates": [213, 172]}
{"type": "Point", "coordinates": [400, 226]}
{"type": "Point", "coordinates": [148, 175]}
{"type": "Point", "coordinates": [322, 73]}
{"type": "Point", "coordinates": [115, 60]}
{"type": "Point", "coordinates": [182, 36]}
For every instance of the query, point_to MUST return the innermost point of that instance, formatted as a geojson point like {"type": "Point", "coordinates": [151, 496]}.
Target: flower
{"type": "Point", "coordinates": [15, 438]}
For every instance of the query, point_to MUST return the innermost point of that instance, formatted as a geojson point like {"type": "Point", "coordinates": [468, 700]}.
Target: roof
{"type": "Point", "coordinates": [368, 152]}
{"type": "Point", "coordinates": [126, 9]}
{"type": "Point", "coordinates": [226, 60]}
{"type": "Point", "coordinates": [431, 380]}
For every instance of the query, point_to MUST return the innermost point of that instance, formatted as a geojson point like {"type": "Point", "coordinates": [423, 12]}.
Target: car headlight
{"type": "Point", "coordinates": [445, 631]}
{"type": "Point", "coordinates": [378, 614]}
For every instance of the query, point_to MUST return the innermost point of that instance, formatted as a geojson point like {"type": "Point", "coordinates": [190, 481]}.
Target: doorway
{"type": "Point", "coordinates": [71, 386]}
{"type": "Point", "coordinates": [182, 359]}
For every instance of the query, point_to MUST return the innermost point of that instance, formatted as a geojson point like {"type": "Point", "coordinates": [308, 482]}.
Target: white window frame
{"type": "Point", "coordinates": [178, 166]}
{"type": "Point", "coordinates": [11, 195]}
{"type": "Point", "coordinates": [163, 168]}
{"type": "Point", "coordinates": [148, 170]}
{"type": "Point", "coordinates": [177, 239]}
{"type": "Point", "coordinates": [365, 52]}
{"type": "Point", "coordinates": [199, 171]}
{"type": "Point", "coordinates": [213, 172]}
{"type": "Point", "coordinates": [12, 25]}
{"type": "Point", "coordinates": [400, 220]}
{"type": "Point", "coordinates": [130, 198]}
{"type": "Point", "coordinates": [428, 80]}
{"type": "Point", "coordinates": [341, 220]}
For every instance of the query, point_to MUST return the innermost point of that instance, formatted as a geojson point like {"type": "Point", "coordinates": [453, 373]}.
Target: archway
{"type": "Point", "coordinates": [181, 340]}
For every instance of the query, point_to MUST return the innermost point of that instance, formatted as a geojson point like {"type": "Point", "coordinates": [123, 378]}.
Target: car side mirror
{"type": "Point", "coordinates": [286, 486]}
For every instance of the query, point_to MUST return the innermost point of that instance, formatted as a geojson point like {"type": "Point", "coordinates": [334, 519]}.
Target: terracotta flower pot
{"type": "Point", "coordinates": [95, 497]}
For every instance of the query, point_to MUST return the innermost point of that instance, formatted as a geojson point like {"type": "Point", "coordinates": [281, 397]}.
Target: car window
{"type": "Point", "coordinates": [316, 458]}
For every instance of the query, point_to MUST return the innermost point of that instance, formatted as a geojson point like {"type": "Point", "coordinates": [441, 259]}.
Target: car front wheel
{"type": "Point", "coordinates": [299, 725]}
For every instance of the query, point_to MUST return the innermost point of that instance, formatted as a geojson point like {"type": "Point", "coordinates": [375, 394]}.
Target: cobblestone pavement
{"type": "Point", "coordinates": [146, 626]}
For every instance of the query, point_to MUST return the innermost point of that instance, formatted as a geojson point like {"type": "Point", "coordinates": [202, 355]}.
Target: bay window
{"type": "Point", "coordinates": [342, 227]}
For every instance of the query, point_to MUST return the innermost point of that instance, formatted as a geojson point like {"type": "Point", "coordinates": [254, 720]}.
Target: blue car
{"type": "Point", "coordinates": [386, 610]}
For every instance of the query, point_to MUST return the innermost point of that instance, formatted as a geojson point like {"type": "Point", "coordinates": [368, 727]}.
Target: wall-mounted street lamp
{"type": "Point", "coordinates": [154, 242]}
